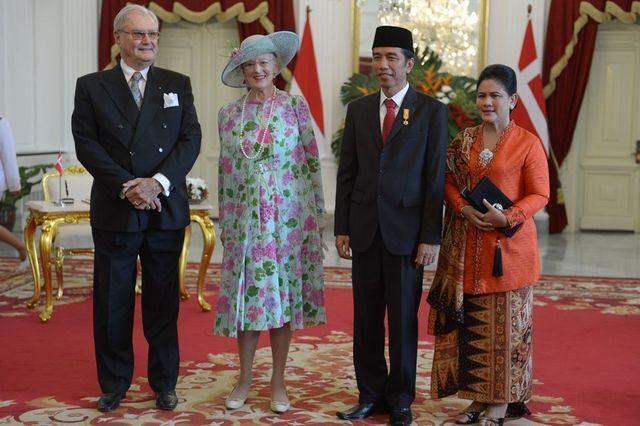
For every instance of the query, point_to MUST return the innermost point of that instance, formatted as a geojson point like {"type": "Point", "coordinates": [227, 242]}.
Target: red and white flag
{"type": "Point", "coordinates": [58, 164]}
{"type": "Point", "coordinates": [531, 112]}
{"type": "Point", "coordinates": [306, 82]}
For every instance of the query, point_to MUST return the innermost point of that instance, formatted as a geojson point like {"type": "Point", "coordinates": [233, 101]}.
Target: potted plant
{"type": "Point", "coordinates": [29, 176]}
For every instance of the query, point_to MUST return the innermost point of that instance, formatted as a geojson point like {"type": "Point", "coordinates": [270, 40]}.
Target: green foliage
{"type": "Point", "coordinates": [357, 86]}
{"type": "Point", "coordinates": [458, 92]}
{"type": "Point", "coordinates": [29, 176]}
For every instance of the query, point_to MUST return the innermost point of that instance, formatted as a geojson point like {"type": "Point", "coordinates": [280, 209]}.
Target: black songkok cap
{"type": "Point", "coordinates": [388, 36]}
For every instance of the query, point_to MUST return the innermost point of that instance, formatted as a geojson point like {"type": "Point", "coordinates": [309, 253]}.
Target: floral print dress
{"type": "Point", "coordinates": [269, 210]}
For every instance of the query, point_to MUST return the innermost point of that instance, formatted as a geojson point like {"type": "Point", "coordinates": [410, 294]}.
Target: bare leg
{"type": "Point", "coordinates": [8, 237]}
{"type": "Point", "coordinates": [247, 342]}
{"type": "Point", "coordinates": [280, 341]}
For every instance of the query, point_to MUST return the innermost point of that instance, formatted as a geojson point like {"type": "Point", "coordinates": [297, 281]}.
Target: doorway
{"type": "Point", "coordinates": [201, 51]}
{"type": "Point", "coordinates": [603, 167]}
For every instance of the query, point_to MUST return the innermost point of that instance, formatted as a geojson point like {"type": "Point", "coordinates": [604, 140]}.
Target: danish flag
{"type": "Point", "coordinates": [58, 164]}
{"type": "Point", "coordinates": [531, 112]}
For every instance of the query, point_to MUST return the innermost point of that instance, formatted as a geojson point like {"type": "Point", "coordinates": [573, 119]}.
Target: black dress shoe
{"type": "Point", "coordinates": [109, 401]}
{"type": "Point", "coordinates": [166, 400]}
{"type": "Point", "coordinates": [361, 411]}
{"type": "Point", "coordinates": [400, 417]}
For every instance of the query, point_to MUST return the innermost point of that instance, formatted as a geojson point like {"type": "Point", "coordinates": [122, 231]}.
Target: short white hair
{"type": "Point", "coordinates": [118, 21]}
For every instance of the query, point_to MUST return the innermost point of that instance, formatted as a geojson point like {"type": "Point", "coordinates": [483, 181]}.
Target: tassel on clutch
{"type": "Point", "coordinates": [497, 260]}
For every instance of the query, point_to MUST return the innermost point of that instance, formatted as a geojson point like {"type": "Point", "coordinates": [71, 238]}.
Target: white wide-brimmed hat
{"type": "Point", "coordinates": [284, 44]}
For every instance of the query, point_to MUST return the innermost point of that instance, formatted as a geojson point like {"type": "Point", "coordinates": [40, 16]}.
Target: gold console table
{"type": "Point", "coordinates": [48, 217]}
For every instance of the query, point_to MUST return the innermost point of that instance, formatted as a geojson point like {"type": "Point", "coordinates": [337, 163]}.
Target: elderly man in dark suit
{"type": "Point", "coordinates": [388, 219]}
{"type": "Point", "coordinates": [136, 131]}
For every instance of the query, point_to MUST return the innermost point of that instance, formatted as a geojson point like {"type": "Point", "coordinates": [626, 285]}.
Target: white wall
{"type": "Point", "coordinates": [507, 19]}
{"type": "Point", "coordinates": [45, 46]}
{"type": "Point", "coordinates": [332, 38]}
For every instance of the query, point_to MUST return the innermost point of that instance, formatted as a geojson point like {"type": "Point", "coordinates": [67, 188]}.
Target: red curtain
{"type": "Point", "coordinates": [563, 105]}
{"type": "Point", "coordinates": [280, 14]}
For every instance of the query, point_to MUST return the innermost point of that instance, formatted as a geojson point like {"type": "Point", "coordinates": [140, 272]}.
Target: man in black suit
{"type": "Point", "coordinates": [136, 131]}
{"type": "Point", "coordinates": [388, 219]}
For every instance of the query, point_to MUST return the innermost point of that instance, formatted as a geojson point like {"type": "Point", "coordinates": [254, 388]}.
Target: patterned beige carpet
{"type": "Point", "coordinates": [49, 375]}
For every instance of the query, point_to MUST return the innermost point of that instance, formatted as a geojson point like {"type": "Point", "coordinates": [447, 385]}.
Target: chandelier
{"type": "Point", "coordinates": [446, 26]}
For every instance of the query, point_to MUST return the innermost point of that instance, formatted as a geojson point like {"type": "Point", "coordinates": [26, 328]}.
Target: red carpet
{"type": "Point", "coordinates": [585, 361]}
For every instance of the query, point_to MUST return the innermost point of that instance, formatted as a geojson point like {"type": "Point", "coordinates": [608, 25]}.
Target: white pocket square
{"type": "Point", "coordinates": [170, 100]}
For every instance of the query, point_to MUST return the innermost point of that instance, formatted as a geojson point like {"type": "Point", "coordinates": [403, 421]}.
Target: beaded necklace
{"type": "Point", "coordinates": [265, 127]}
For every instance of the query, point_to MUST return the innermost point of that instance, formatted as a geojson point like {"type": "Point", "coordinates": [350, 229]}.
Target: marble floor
{"type": "Point", "coordinates": [602, 254]}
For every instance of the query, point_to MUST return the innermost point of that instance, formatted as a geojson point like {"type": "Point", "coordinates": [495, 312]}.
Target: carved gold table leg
{"type": "Point", "coordinates": [59, 255]}
{"type": "Point", "coordinates": [182, 265]}
{"type": "Point", "coordinates": [48, 232]}
{"type": "Point", "coordinates": [30, 245]}
{"type": "Point", "coordinates": [208, 243]}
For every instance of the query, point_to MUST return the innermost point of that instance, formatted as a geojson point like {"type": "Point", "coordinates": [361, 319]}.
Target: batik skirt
{"type": "Point", "coordinates": [495, 347]}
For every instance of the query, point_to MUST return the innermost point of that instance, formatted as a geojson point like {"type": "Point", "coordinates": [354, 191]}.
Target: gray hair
{"type": "Point", "coordinates": [118, 21]}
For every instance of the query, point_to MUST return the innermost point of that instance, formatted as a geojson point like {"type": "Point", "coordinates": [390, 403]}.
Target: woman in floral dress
{"type": "Point", "coordinates": [270, 207]}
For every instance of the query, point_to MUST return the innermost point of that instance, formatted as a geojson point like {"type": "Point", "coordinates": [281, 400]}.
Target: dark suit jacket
{"type": "Point", "coordinates": [397, 187]}
{"type": "Point", "coordinates": [117, 143]}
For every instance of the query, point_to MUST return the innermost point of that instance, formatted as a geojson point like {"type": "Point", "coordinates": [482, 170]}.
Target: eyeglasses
{"type": "Point", "coordinates": [139, 35]}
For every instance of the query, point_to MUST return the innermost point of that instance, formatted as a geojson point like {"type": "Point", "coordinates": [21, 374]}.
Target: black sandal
{"type": "Point", "coordinates": [472, 417]}
{"type": "Point", "coordinates": [493, 420]}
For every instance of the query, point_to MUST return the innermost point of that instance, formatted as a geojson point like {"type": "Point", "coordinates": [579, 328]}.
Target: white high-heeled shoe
{"type": "Point", "coordinates": [234, 403]}
{"type": "Point", "coordinates": [279, 407]}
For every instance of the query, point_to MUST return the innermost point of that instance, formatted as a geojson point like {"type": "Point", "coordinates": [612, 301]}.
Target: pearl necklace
{"type": "Point", "coordinates": [265, 128]}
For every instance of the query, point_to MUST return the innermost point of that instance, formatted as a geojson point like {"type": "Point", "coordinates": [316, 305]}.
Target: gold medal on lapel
{"type": "Point", "coordinates": [405, 116]}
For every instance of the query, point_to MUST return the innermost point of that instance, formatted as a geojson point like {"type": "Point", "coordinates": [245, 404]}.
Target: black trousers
{"type": "Point", "coordinates": [114, 279]}
{"type": "Point", "coordinates": [383, 282]}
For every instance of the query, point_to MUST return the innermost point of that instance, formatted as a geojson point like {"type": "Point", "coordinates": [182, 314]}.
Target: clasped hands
{"type": "Point", "coordinates": [488, 221]}
{"type": "Point", "coordinates": [142, 193]}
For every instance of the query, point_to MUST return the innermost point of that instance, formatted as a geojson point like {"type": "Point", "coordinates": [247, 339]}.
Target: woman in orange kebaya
{"type": "Point", "coordinates": [481, 296]}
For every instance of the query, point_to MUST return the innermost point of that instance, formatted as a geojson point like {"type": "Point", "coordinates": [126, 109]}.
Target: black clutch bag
{"type": "Point", "coordinates": [486, 189]}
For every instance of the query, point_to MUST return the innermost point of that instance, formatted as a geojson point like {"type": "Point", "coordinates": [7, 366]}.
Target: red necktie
{"type": "Point", "coordinates": [388, 118]}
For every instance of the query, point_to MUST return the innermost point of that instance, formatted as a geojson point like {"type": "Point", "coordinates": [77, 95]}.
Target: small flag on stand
{"type": "Point", "coordinates": [58, 164]}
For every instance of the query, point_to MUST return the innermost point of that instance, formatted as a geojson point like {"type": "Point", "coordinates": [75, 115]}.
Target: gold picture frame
{"type": "Point", "coordinates": [483, 29]}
